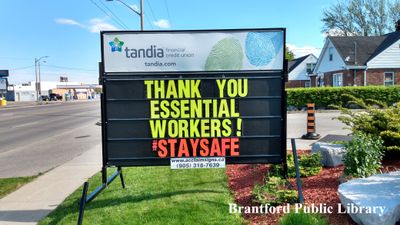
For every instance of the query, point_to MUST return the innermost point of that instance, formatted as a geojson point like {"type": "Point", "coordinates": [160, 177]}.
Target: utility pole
{"type": "Point", "coordinates": [39, 86]}
{"type": "Point", "coordinates": [36, 82]}
{"type": "Point", "coordinates": [37, 75]}
{"type": "Point", "coordinates": [141, 15]}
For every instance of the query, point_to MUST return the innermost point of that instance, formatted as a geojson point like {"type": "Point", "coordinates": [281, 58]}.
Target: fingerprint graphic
{"type": "Point", "coordinates": [227, 54]}
{"type": "Point", "coordinates": [262, 47]}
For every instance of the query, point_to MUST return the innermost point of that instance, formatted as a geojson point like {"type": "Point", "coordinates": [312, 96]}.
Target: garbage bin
{"type": "Point", "coordinates": [3, 102]}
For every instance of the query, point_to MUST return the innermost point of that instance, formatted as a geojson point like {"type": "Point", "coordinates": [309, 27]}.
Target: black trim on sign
{"type": "Point", "coordinates": [212, 98]}
{"type": "Point", "coordinates": [146, 119]}
{"type": "Point", "coordinates": [179, 76]}
{"type": "Point", "coordinates": [150, 139]}
{"type": "Point", "coordinates": [284, 109]}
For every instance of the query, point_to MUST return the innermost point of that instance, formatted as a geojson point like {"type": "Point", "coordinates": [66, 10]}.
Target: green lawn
{"type": "Point", "coordinates": [154, 195]}
{"type": "Point", "coordinates": [8, 185]}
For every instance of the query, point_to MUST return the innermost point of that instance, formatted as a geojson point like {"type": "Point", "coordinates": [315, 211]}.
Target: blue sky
{"type": "Point", "coordinates": [68, 30]}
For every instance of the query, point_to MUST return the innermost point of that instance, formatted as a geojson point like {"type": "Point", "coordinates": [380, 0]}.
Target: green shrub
{"type": "Point", "coordinates": [302, 218]}
{"type": "Point", "coordinates": [326, 96]}
{"type": "Point", "coordinates": [309, 165]}
{"type": "Point", "coordinates": [377, 120]}
{"type": "Point", "coordinates": [274, 192]}
{"type": "Point", "coordinates": [363, 156]}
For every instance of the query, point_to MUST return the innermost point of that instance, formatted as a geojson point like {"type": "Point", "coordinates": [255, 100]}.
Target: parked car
{"type": "Point", "coordinates": [44, 98]}
{"type": "Point", "coordinates": [55, 97]}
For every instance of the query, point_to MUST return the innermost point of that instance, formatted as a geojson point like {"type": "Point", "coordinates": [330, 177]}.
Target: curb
{"type": "Point", "coordinates": [37, 199]}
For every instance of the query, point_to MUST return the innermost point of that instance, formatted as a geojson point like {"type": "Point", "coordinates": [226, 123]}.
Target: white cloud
{"type": "Point", "coordinates": [305, 50]}
{"type": "Point", "coordinates": [68, 22]}
{"type": "Point", "coordinates": [162, 23]}
{"type": "Point", "coordinates": [95, 25]}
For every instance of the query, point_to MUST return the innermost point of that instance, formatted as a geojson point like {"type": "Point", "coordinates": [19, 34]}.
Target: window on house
{"type": "Point", "coordinates": [310, 67]}
{"type": "Point", "coordinates": [388, 78]}
{"type": "Point", "coordinates": [337, 80]}
{"type": "Point", "coordinates": [320, 81]}
{"type": "Point", "coordinates": [307, 84]}
{"type": "Point", "coordinates": [330, 53]}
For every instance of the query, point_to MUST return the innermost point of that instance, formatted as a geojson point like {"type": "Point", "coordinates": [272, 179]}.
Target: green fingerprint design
{"type": "Point", "coordinates": [227, 54]}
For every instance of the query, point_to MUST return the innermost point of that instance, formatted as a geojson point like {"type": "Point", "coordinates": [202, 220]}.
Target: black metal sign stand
{"type": "Point", "coordinates": [105, 182]}
{"type": "Point", "coordinates": [296, 165]}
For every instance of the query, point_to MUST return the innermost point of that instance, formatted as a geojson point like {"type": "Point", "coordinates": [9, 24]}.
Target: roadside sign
{"type": "Point", "coordinates": [191, 99]}
{"type": "Point", "coordinates": [3, 73]}
{"type": "Point", "coordinates": [183, 98]}
{"type": "Point", "coordinates": [63, 79]}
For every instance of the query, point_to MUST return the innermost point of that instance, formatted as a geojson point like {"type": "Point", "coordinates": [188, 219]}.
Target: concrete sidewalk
{"type": "Point", "coordinates": [37, 199]}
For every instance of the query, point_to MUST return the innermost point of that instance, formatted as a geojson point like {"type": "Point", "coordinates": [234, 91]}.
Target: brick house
{"type": "Point", "coordinates": [359, 61]}
{"type": "Point", "coordinates": [299, 71]}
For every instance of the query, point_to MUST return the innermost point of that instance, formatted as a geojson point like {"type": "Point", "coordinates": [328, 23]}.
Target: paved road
{"type": "Point", "coordinates": [36, 139]}
{"type": "Point", "coordinates": [325, 125]}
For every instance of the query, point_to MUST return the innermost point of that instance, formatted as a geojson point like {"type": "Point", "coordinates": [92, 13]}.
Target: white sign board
{"type": "Point", "coordinates": [238, 50]}
{"type": "Point", "coordinates": [198, 163]}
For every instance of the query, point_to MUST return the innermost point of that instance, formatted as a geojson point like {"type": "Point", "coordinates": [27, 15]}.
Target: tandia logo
{"type": "Point", "coordinates": [116, 45]}
{"type": "Point", "coordinates": [152, 52]}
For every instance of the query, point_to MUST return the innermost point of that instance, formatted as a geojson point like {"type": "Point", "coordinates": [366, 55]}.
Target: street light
{"type": "Point", "coordinates": [37, 74]}
{"type": "Point", "coordinates": [141, 13]}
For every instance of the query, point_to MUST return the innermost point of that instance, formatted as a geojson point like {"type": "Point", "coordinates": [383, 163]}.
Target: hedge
{"type": "Point", "coordinates": [325, 96]}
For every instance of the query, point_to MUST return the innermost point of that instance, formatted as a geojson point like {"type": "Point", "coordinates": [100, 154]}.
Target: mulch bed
{"type": "Point", "coordinates": [321, 188]}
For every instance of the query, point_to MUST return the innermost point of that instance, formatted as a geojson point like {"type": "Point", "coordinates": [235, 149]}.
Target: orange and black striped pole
{"type": "Point", "coordinates": [311, 134]}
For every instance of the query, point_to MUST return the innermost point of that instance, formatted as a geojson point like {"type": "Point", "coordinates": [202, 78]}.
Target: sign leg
{"type": "Point", "coordinates": [83, 202]}
{"type": "Point", "coordinates": [121, 176]}
{"type": "Point", "coordinates": [296, 164]}
{"type": "Point", "coordinates": [104, 175]}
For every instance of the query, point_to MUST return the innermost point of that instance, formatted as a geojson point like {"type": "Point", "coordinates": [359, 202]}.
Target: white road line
{"type": "Point", "coordinates": [41, 105]}
{"type": "Point", "coordinates": [25, 124]}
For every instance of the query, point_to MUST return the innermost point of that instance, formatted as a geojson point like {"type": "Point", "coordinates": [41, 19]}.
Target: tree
{"type": "Point", "coordinates": [361, 17]}
{"type": "Point", "coordinates": [289, 55]}
{"type": "Point", "coordinates": [394, 11]}
{"type": "Point", "coordinates": [377, 15]}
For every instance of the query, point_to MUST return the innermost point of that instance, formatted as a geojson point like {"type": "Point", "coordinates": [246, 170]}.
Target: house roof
{"type": "Point", "coordinates": [298, 67]}
{"type": "Point", "coordinates": [390, 38]}
{"type": "Point", "coordinates": [295, 62]}
{"type": "Point", "coordinates": [357, 50]}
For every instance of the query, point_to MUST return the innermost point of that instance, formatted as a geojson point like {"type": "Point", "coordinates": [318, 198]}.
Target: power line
{"type": "Point", "coordinates": [68, 68]}
{"type": "Point", "coordinates": [151, 10]}
{"type": "Point", "coordinates": [15, 58]}
{"type": "Point", "coordinates": [169, 17]}
{"type": "Point", "coordinates": [112, 16]}
{"type": "Point", "coordinates": [148, 20]}
{"type": "Point", "coordinates": [94, 3]}
{"type": "Point", "coordinates": [67, 74]}
{"type": "Point", "coordinates": [22, 68]}
{"type": "Point", "coordinates": [116, 17]}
